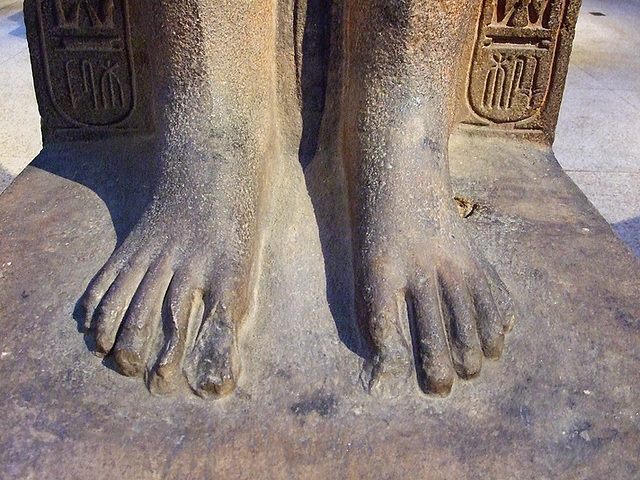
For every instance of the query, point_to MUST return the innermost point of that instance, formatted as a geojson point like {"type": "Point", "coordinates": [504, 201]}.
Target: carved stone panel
{"type": "Point", "coordinates": [90, 66]}
{"type": "Point", "coordinates": [514, 60]}
{"type": "Point", "coordinates": [87, 59]}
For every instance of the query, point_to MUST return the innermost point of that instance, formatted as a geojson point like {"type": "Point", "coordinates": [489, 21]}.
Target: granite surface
{"type": "Point", "coordinates": [562, 402]}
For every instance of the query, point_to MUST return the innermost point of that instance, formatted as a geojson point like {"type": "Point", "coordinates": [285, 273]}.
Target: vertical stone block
{"type": "Point", "coordinates": [518, 66]}
{"type": "Point", "coordinates": [90, 68]}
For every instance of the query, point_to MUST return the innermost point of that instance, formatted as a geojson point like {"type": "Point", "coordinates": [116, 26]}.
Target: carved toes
{"type": "Point", "coordinates": [107, 317]}
{"type": "Point", "coordinates": [184, 306]}
{"type": "Point", "coordinates": [453, 323]}
{"type": "Point", "coordinates": [134, 305]}
{"type": "Point", "coordinates": [140, 327]}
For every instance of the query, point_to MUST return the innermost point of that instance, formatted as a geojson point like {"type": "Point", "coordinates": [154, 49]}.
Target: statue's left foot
{"type": "Point", "coordinates": [454, 319]}
{"type": "Point", "coordinates": [411, 254]}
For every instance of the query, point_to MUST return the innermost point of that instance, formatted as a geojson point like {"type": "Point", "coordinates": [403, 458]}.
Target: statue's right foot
{"type": "Point", "coordinates": [182, 277]}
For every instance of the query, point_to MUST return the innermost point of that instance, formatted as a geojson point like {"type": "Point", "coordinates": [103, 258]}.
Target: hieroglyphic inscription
{"type": "Point", "coordinates": [87, 59]}
{"type": "Point", "coordinates": [514, 58]}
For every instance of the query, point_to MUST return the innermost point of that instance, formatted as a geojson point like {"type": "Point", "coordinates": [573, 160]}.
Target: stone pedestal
{"type": "Point", "coordinates": [562, 402]}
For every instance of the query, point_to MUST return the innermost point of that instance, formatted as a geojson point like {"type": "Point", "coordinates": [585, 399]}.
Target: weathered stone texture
{"type": "Point", "coordinates": [562, 402]}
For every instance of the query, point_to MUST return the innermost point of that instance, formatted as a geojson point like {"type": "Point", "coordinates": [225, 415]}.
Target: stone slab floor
{"type": "Point", "coordinates": [598, 135]}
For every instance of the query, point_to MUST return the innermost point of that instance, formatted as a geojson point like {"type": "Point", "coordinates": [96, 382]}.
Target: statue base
{"type": "Point", "coordinates": [562, 402]}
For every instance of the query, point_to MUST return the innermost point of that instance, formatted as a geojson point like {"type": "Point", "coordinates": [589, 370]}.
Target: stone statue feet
{"type": "Point", "coordinates": [453, 317]}
{"type": "Point", "coordinates": [413, 261]}
{"type": "Point", "coordinates": [411, 256]}
{"type": "Point", "coordinates": [169, 301]}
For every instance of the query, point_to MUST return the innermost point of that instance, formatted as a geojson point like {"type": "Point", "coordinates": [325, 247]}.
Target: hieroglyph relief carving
{"type": "Point", "coordinates": [513, 60]}
{"type": "Point", "coordinates": [87, 59]}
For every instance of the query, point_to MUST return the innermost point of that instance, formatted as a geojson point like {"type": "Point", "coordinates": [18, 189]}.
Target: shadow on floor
{"type": "Point", "coordinates": [320, 84]}
{"type": "Point", "coordinates": [121, 171]}
{"type": "Point", "coordinates": [629, 232]}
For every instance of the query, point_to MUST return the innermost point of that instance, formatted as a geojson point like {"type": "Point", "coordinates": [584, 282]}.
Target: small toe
{"type": "Point", "coordinates": [490, 322]}
{"type": "Point", "coordinates": [114, 305]}
{"type": "Point", "coordinates": [459, 317]}
{"type": "Point", "coordinates": [502, 298]}
{"type": "Point", "coordinates": [98, 288]}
